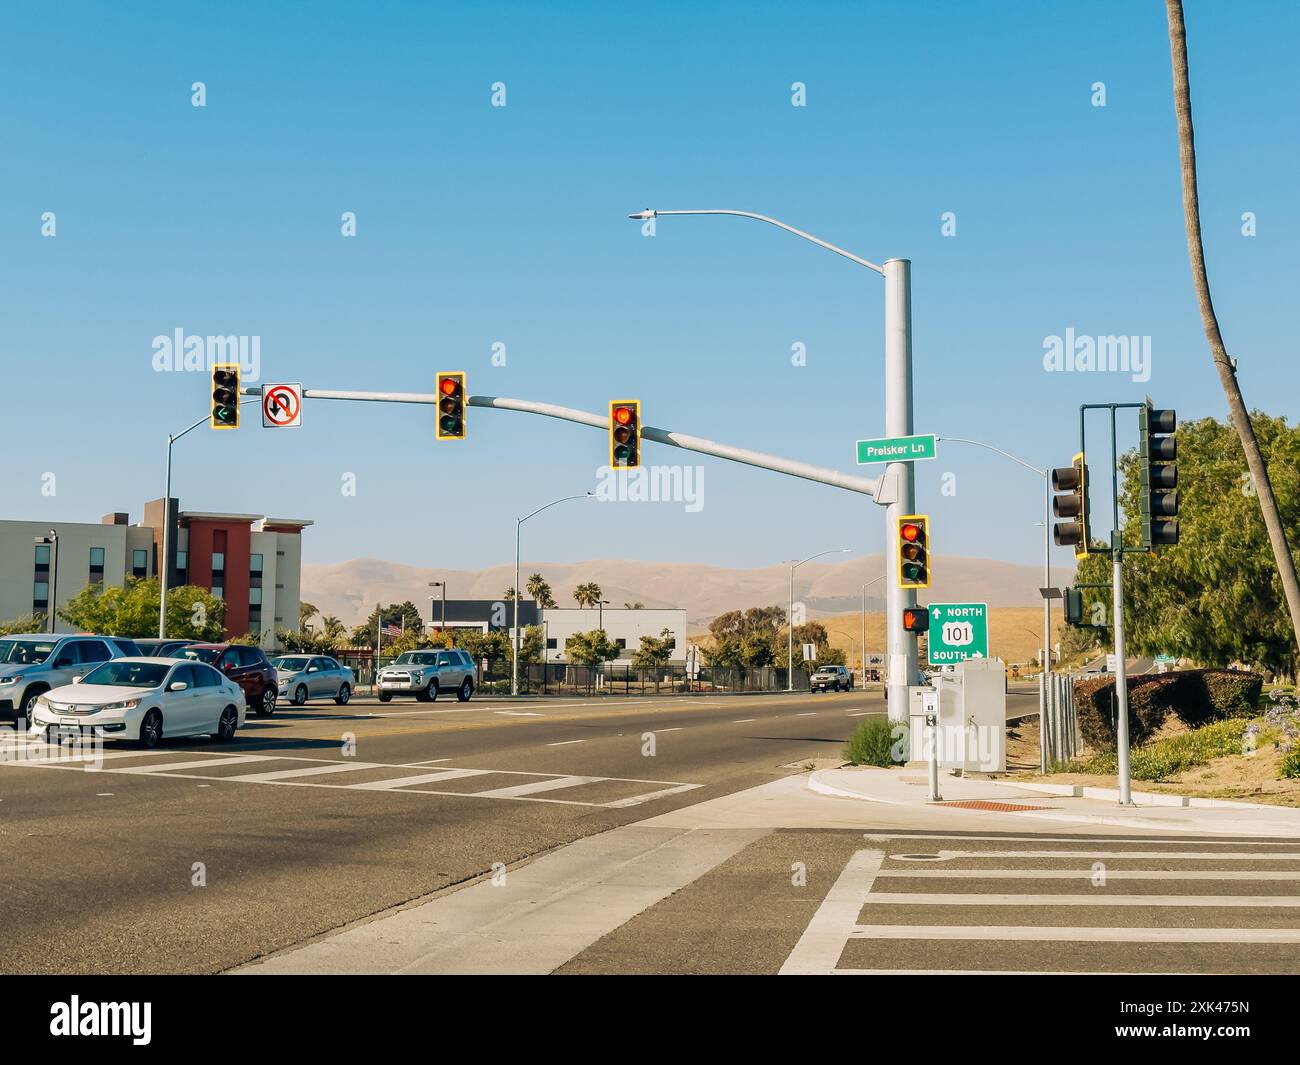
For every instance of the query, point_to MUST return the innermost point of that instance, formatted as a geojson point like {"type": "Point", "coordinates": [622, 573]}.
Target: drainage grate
{"type": "Point", "coordinates": [986, 804]}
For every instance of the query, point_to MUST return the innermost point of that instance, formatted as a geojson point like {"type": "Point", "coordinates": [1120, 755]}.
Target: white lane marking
{"type": "Point", "coordinates": [810, 713]}
{"type": "Point", "coordinates": [1044, 934]}
{"type": "Point", "coordinates": [637, 800]}
{"type": "Point", "coordinates": [885, 837]}
{"type": "Point", "coordinates": [103, 794]}
{"type": "Point", "coordinates": [1219, 856]}
{"type": "Point", "coordinates": [675, 728]}
{"type": "Point", "coordinates": [427, 761]}
{"type": "Point", "coordinates": [864, 713]}
{"type": "Point", "coordinates": [565, 743]}
{"type": "Point", "coordinates": [308, 771]}
{"type": "Point", "coordinates": [1087, 874]}
{"type": "Point", "coordinates": [823, 941]}
{"type": "Point", "coordinates": [423, 778]}
{"type": "Point", "coordinates": [517, 713]}
{"type": "Point", "coordinates": [536, 786]}
{"type": "Point", "coordinates": [744, 721]}
{"type": "Point", "coordinates": [1099, 898]}
{"type": "Point", "coordinates": [1001, 972]}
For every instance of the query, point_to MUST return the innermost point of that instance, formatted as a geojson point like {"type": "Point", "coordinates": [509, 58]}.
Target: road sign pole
{"type": "Point", "coordinates": [898, 422]}
{"type": "Point", "coordinates": [1121, 676]}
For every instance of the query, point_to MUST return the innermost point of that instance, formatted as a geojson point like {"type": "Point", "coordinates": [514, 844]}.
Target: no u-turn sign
{"type": "Point", "coordinates": [282, 406]}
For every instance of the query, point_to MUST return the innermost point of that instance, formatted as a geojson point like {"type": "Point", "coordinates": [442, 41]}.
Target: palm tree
{"type": "Point", "coordinates": [587, 594]}
{"type": "Point", "coordinates": [540, 590]}
{"type": "Point", "coordinates": [1200, 282]}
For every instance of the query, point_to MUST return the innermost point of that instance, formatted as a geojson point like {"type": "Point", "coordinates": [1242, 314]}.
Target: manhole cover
{"type": "Point", "coordinates": [987, 804]}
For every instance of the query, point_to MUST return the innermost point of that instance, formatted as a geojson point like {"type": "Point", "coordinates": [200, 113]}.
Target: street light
{"type": "Point", "coordinates": [600, 613]}
{"type": "Point", "coordinates": [868, 584]}
{"type": "Point", "coordinates": [51, 595]}
{"type": "Point", "coordinates": [898, 489]}
{"type": "Point", "coordinates": [443, 586]}
{"type": "Point", "coordinates": [514, 665]}
{"type": "Point", "coordinates": [164, 568]}
{"type": "Point", "coordinates": [789, 617]}
{"type": "Point", "coordinates": [1046, 657]}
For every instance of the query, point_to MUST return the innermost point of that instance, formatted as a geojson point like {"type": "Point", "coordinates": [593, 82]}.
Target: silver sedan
{"type": "Point", "coordinates": [303, 677]}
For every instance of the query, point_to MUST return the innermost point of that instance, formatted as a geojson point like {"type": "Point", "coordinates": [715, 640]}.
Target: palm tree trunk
{"type": "Point", "coordinates": [1227, 373]}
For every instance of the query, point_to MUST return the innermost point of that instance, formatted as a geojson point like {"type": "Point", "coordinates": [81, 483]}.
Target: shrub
{"type": "Point", "coordinates": [1166, 757]}
{"type": "Point", "coordinates": [878, 741]}
{"type": "Point", "coordinates": [1195, 696]}
{"type": "Point", "coordinates": [1290, 763]}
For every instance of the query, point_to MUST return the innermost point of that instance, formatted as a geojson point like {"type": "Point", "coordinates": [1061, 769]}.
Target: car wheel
{"type": "Point", "coordinates": [29, 702]}
{"type": "Point", "coordinates": [385, 697]}
{"type": "Point", "coordinates": [466, 690]}
{"type": "Point", "coordinates": [151, 730]}
{"type": "Point", "coordinates": [345, 693]}
{"type": "Point", "coordinates": [431, 692]}
{"type": "Point", "coordinates": [266, 706]}
{"type": "Point", "coordinates": [300, 695]}
{"type": "Point", "coordinates": [226, 726]}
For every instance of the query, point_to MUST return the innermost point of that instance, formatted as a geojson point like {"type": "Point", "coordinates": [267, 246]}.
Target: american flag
{"type": "Point", "coordinates": [391, 630]}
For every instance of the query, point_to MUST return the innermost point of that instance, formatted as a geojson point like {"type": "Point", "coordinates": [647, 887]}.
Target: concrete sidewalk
{"type": "Point", "coordinates": [908, 787]}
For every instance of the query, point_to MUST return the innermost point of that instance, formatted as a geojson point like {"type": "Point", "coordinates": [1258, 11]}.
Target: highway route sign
{"type": "Point", "coordinates": [958, 631]}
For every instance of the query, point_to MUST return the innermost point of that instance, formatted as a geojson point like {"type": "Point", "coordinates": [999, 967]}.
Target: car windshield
{"type": "Point", "coordinates": [291, 665]}
{"type": "Point", "coordinates": [200, 654]}
{"type": "Point", "coordinates": [127, 673]}
{"type": "Point", "coordinates": [415, 658]}
{"type": "Point", "coordinates": [26, 652]}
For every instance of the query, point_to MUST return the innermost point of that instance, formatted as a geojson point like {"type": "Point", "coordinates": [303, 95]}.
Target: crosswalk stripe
{"type": "Point", "coordinates": [1100, 898]}
{"type": "Point", "coordinates": [1212, 856]}
{"type": "Point", "coordinates": [200, 763]}
{"type": "Point", "coordinates": [422, 778]}
{"type": "Point", "coordinates": [1086, 874]}
{"type": "Point", "coordinates": [1035, 933]}
{"type": "Point", "coordinates": [536, 786]}
{"type": "Point", "coordinates": [822, 942]}
{"type": "Point", "coordinates": [307, 771]}
{"type": "Point", "coordinates": [637, 800]}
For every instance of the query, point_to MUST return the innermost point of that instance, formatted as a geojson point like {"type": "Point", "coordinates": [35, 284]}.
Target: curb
{"type": "Point", "coordinates": [1150, 798]}
{"type": "Point", "coordinates": [822, 788]}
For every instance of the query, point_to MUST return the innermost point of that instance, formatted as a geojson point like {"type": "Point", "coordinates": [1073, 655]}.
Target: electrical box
{"type": "Point", "coordinates": [972, 709]}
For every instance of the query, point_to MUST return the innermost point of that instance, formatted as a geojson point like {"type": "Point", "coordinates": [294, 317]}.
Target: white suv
{"type": "Point", "coordinates": [426, 675]}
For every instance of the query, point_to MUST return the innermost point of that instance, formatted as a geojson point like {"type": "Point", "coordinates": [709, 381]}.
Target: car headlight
{"type": "Point", "coordinates": [42, 703]}
{"type": "Point", "coordinates": [125, 704]}
{"type": "Point", "coordinates": [11, 680]}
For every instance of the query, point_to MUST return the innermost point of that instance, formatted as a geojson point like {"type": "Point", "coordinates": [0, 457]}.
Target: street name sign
{"type": "Point", "coordinates": [896, 449]}
{"type": "Point", "coordinates": [958, 631]}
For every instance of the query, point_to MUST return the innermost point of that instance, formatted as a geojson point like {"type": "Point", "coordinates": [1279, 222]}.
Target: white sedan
{"type": "Point", "coordinates": [143, 699]}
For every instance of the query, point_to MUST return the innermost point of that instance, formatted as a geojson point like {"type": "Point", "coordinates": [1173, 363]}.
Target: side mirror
{"type": "Point", "coordinates": [177, 686]}
{"type": "Point", "coordinates": [76, 680]}
{"type": "Point", "coordinates": [229, 667]}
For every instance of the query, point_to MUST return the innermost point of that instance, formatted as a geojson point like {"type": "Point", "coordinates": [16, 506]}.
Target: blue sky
{"type": "Point", "coordinates": [479, 225]}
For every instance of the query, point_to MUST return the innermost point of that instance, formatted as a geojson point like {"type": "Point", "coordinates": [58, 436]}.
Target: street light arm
{"type": "Point", "coordinates": [774, 222]}
{"type": "Point", "coordinates": [990, 447]}
{"type": "Point", "coordinates": [553, 502]}
{"type": "Point", "coordinates": [832, 551]}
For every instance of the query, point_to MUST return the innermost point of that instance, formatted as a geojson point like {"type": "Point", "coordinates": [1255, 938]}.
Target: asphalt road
{"type": "Point", "coordinates": [197, 857]}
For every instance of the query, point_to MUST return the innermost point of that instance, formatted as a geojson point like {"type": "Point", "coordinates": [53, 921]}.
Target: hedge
{"type": "Point", "coordinates": [1194, 696]}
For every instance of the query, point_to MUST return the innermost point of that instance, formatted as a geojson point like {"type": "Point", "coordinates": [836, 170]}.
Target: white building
{"type": "Point", "coordinates": [623, 626]}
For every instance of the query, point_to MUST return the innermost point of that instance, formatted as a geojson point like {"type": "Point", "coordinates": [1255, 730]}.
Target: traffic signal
{"type": "Point", "coordinates": [1158, 500]}
{"type": "Point", "coordinates": [914, 551]}
{"type": "Point", "coordinates": [625, 434]}
{"type": "Point", "coordinates": [1071, 485]}
{"type": "Point", "coordinates": [1073, 607]}
{"type": "Point", "coordinates": [916, 619]}
{"type": "Point", "coordinates": [225, 396]}
{"type": "Point", "coordinates": [451, 406]}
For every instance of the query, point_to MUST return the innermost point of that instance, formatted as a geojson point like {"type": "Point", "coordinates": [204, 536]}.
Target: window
{"type": "Point", "coordinates": [40, 595]}
{"type": "Point", "coordinates": [218, 561]}
{"type": "Point", "coordinates": [205, 676]}
{"type": "Point", "coordinates": [96, 565]}
{"type": "Point", "coordinates": [218, 592]}
{"type": "Point", "coordinates": [182, 565]}
{"type": "Point", "coordinates": [42, 554]}
{"type": "Point", "coordinates": [255, 597]}
{"type": "Point", "coordinates": [93, 651]}
{"type": "Point", "coordinates": [622, 644]}
{"type": "Point", "coordinates": [184, 675]}
{"type": "Point", "coordinates": [552, 644]}
{"type": "Point", "coordinates": [255, 564]}
{"type": "Point", "coordinates": [250, 656]}
{"type": "Point", "coordinates": [139, 562]}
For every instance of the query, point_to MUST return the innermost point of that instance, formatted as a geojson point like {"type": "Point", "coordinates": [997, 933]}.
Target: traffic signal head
{"type": "Point", "coordinates": [1070, 483]}
{"type": "Point", "coordinates": [914, 551]}
{"type": "Point", "coordinates": [625, 434]}
{"type": "Point", "coordinates": [451, 406]}
{"type": "Point", "coordinates": [1073, 606]}
{"type": "Point", "coordinates": [1157, 495]}
{"type": "Point", "coordinates": [916, 619]}
{"type": "Point", "coordinates": [224, 411]}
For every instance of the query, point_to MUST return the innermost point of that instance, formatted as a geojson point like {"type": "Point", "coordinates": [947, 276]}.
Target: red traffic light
{"type": "Point", "coordinates": [909, 532]}
{"type": "Point", "coordinates": [449, 386]}
{"type": "Point", "coordinates": [622, 415]}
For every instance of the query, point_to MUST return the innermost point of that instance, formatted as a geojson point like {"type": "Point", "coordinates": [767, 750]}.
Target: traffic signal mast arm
{"type": "Point", "coordinates": [871, 486]}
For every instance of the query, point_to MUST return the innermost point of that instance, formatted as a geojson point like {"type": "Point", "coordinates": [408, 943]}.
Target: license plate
{"type": "Point", "coordinates": [72, 723]}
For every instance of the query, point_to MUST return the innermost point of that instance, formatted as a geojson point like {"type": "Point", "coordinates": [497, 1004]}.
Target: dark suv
{"type": "Point", "coordinates": [246, 665]}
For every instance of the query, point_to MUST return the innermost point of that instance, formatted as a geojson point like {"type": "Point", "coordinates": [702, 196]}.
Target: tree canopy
{"type": "Point", "coordinates": [131, 610]}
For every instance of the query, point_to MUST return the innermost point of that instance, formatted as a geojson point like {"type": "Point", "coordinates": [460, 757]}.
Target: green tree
{"type": "Point", "coordinates": [31, 623]}
{"type": "Point", "coordinates": [1216, 597]}
{"type": "Point", "coordinates": [404, 615]}
{"type": "Point", "coordinates": [591, 649]}
{"type": "Point", "coordinates": [132, 610]}
{"type": "Point", "coordinates": [333, 629]}
{"type": "Point", "coordinates": [829, 656]}
{"type": "Point", "coordinates": [306, 611]}
{"type": "Point", "coordinates": [634, 606]}
{"type": "Point", "coordinates": [654, 653]}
